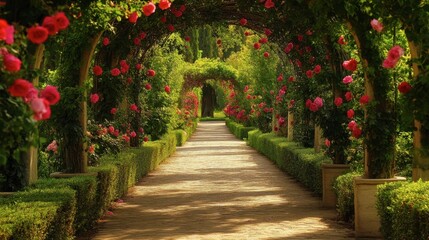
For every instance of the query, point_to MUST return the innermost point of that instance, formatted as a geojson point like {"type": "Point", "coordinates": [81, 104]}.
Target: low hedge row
{"type": "Point", "coordinates": [182, 135]}
{"type": "Point", "coordinates": [240, 131]}
{"type": "Point", "coordinates": [403, 208]}
{"type": "Point", "coordinates": [343, 187]}
{"type": "Point", "coordinates": [301, 163]}
{"type": "Point", "coordinates": [62, 208]}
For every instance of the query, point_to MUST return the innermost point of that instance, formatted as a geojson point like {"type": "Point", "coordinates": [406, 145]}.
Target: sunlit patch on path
{"type": "Point", "coordinates": [216, 187]}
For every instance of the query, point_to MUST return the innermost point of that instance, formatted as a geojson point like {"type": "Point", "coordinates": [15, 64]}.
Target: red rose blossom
{"type": "Point", "coordinates": [20, 88]}
{"type": "Point", "coordinates": [149, 9]}
{"type": "Point", "coordinates": [50, 23]}
{"type": "Point", "coordinates": [62, 20]}
{"type": "Point", "coordinates": [51, 94]}
{"type": "Point", "coordinates": [115, 72]}
{"type": "Point", "coordinates": [338, 101]}
{"type": "Point", "coordinates": [133, 17]}
{"type": "Point", "coordinates": [364, 99]}
{"type": "Point", "coordinates": [106, 41]}
{"type": "Point", "coordinates": [97, 70]}
{"type": "Point", "coordinates": [349, 96]}
{"type": "Point", "coordinates": [37, 34]}
{"type": "Point", "coordinates": [151, 73]}
{"type": "Point", "coordinates": [164, 4]}
{"type": "Point", "coordinates": [167, 89]}
{"type": "Point", "coordinates": [11, 63]}
{"type": "Point", "coordinates": [404, 87]}
{"type": "Point", "coordinates": [94, 98]}
{"type": "Point", "coordinates": [243, 21]}
{"type": "Point", "coordinates": [350, 113]}
{"type": "Point", "coordinates": [350, 65]}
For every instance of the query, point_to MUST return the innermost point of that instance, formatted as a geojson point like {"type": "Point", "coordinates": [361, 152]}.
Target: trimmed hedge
{"type": "Point", "coordinates": [403, 208]}
{"type": "Point", "coordinates": [38, 214]}
{"type": "Point", "coordinates": [240, 131]}
{"type": "Point", "coordinates": [299, 162]}
{"type": "Point", "coordinates": [49, 209]}
{"type": "Point", "coordinates": [343, 188]}
{"type": "Point", "coordinates": [182, 135]}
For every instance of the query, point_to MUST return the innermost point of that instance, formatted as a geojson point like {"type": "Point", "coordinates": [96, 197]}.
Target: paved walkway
{"type": "Point", "coordinates": [216, 187]}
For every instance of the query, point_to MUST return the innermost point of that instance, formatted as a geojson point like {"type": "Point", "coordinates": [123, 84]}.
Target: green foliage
{"type": "Point", "coordinates": [61, 208]}
{"type": "Point", "coordinates": [240, 131]}
{"type": "Point", "coordinates": [343, 187]}
{"type": "Point", "coordinates": [38, 214]}
{"type": "Point", "coordinates": [403, 208]}
{"type": "Point", "coordinates": [301, 163]}
{"type": "Point", "coordinates": [87, 212]}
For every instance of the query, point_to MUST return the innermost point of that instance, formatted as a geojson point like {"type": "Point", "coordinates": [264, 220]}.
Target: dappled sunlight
{"type": "Point", "coordinates": [209, 190]}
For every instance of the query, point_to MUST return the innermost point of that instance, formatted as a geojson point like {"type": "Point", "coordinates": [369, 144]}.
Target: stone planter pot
{"type": "Point", "coordinates": [69, 175]}
{"type": "Point", "coordinates": [329, 173]}
{"type": "Point", "coordinates": [367, 221]}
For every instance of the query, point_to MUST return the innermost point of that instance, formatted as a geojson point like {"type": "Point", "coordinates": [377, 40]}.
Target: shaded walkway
{"type": "Point", "coordinates": [216, 187]}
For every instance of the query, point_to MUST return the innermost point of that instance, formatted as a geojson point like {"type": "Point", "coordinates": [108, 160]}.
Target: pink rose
{"type": "Point", "coordinates": [149, 9]}
{"type": "Point", "coordinates": [53, 146]}
{"type": "Point", "coordinates": [113, 111]}
{"type": "Point", "coordinates": [347, 79]}
{"type": "Point", "coordinates": [309, 73]}
{"type": "Point", "coordinates": [350, 65]}
{"type": "Point", "coordinates": [376, 25]}
{"type": "Point", "coordinates": [350, 113]}
{"type": "Point", "coordinates": [41, 109]}
{"type": "Point", "coordinates": [349, 96]}
{"type": "Point", "coordinates": [51, 94]}
{"type": "Point", "coordinates": [94, 98]}
{"type": "Point", "coordinates": [338, 101]}
{"type": "Point", "coordinates": [318, 101]}
{"type": "Point", "coordinates": [133, 134]}
{"type": "Point", "coordinates": [11, 63]}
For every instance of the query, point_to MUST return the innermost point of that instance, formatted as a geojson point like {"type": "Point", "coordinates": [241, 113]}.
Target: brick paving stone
{"type": "Point", "coordinates": [216, 187]}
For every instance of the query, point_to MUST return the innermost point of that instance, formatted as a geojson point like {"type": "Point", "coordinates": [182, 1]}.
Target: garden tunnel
{"type": "Point", "coordinates": [304, 34]}
{"type": "Point", "coordinates": [84, 80]}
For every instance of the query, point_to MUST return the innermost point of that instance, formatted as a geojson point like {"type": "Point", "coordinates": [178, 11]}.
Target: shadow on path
{"type": "Point", "coordinates": [216, 187]}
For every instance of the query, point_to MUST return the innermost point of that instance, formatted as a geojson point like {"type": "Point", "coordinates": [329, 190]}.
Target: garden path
{"type": "Point", "coordinates": [216, 187]}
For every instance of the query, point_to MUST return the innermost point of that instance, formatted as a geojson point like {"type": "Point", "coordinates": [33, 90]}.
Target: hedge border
{"type": "Point", "coordinates": [239, 131]}
{"type": "Point", "coordinates": [49, 210]}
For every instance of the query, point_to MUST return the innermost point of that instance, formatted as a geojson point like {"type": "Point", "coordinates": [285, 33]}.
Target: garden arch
{"type": "Point", "coordinates": [285, 24]}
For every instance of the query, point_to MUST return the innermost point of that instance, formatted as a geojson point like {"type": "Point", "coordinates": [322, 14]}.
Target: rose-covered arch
{"type": "Point", "coordinates": [208, 69]}
{"type": "Point", "coordinates": [287, 23]}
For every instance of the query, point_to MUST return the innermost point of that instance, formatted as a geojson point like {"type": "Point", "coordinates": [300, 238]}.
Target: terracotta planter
{"type": "Point", "coordinates": [329, 173]}
{"type": "Point", "coordinates": [367, 221]}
